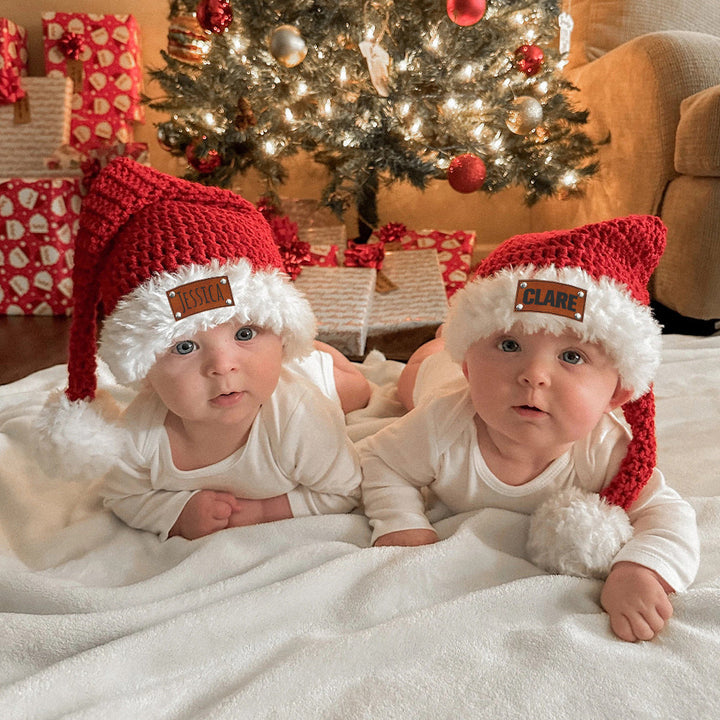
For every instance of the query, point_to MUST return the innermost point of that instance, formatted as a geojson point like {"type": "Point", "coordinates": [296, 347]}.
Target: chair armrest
{"type": "Point", "coordinates": [633, 94]}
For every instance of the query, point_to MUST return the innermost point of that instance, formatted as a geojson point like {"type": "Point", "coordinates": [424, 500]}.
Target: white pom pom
{"type": "Point", "coordinates": [79, 440]}
{"type": "Point", "coordinates": [577, 533]}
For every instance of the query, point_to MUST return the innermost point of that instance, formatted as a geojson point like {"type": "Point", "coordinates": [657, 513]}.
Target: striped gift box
{"type": "Point", "coordinates": [25, 146]}
{"type": "Point", "coordinates": [341, 299]}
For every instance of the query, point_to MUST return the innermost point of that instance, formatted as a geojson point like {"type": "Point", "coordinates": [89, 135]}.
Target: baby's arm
{"type": "Point", "coordinates": [662, 557]}
{"type": "Point", "coordinates": [255, 512]}
{"type": "Point", "coordinates": [210, 510]}
{"type": "Point", "coordinates": [636, 599]}
{"type": "Point", "coordinates": [129, 493]}
{"type": "Point", "coordinates": [397, 462]}
{"type": "Point", "coordinates": [312, 449]}
{"type": "Point", "coordinates": [207, 511]}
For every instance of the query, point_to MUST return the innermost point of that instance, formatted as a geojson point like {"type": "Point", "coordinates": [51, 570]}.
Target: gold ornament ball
{"type": "Point", "coordinates": [287, 46]}
{"type": "Point", "coordinates": [525, 115]}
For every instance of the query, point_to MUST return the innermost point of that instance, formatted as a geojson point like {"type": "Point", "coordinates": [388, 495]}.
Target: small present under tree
{"type": "Point", "coordinates": [376, 91]}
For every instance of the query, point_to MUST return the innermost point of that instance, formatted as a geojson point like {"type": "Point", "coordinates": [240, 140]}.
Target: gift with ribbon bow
{"type": "Point", "coordinates": [454, 249]}
{"type": "Point", "coordinates": [295, 252]}
{"type": "Point", "coordinates": [364, 254]}
{"type": "Point", "coordinates": [101, 55]}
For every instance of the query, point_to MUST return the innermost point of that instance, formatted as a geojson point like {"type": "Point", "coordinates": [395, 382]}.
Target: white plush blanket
{"type": "Point", "coordinates": [301, 619]}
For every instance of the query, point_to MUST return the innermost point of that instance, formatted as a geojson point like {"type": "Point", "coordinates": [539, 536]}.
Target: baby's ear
{"type": "Point", "coordinates": [464, 369]}
{"type": "Point", "coordinates": [619, 397]}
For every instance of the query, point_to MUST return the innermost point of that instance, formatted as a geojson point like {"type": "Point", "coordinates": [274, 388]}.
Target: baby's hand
{"type": "Point", "coordinates": [254, 512]}
{"type": "Point", "coordinates": [408, 538]}
{"type": "Point", "coordinates": [205, 512]}
{"type": "Point", "coordinates": [636, 599]}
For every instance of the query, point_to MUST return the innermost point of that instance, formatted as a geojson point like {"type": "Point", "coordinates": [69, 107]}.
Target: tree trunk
{"type": "Point", "coordinates": [367, 206]}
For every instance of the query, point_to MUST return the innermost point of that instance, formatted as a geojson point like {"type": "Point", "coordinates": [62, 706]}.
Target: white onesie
{"type": "Point", "coordinates": [297, 445]}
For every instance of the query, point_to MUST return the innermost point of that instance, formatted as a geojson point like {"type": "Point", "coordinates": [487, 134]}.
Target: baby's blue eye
{"type": "Point", "coordinates": [184, 347]}
{"type": "Point", "coordinates": [245, 334]}
{"type": "Point", "coordinates": [571, 356]}
{"type": "Point", "coordinates": [509, 345]}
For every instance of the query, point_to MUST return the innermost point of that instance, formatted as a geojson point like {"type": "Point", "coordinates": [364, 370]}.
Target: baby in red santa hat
{"type": "Point", "coordinates": [238, 418]}
{"type": "Point", "coordinates": [514, 408]}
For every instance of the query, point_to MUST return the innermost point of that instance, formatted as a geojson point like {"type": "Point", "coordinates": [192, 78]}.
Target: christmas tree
{"type": "Point", "coordinates": [377, 92]}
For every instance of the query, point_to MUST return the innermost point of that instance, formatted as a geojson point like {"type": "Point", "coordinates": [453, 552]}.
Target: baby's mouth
{"type": "Point", "coordinates": [227, 398]}
{"type": "Point", "coordinates": [529, 410]}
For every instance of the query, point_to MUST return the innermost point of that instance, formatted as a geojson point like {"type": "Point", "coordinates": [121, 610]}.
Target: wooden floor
{"type": "Point", "coordinates": [29, 343]}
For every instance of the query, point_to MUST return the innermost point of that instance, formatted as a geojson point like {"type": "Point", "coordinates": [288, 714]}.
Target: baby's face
{"type": "Point", "coordinates": [220, 375]}
{"type": "Point", "coordinates": [540, 389]}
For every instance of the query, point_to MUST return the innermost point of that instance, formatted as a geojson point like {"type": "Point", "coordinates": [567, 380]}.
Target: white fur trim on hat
{"type": "Point", "coordinates": [142, 325]}
{"type": "Point", "coordinates": [613, 318]}
{"type": "Point", "coordinates": [577, 533]}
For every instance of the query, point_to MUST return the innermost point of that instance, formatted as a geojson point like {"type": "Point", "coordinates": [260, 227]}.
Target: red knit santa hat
{"type": "Point", "coordinates": [592, 280]}
{"type": "Point", "coordinates": [163, 258]}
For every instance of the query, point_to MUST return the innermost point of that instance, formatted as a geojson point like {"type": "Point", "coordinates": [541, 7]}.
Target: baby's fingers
{"type": "Point", "coordinates": [640, 625]}
{"type": "Point", "coordinates": [621, 626]}
{"type": "Point", "coordinates": [228, 502]}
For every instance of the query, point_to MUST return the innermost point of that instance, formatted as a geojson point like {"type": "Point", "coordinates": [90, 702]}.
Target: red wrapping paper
{"type": "Point", "coordinates": [13, 60]}
{"type": "Point", "coordinates": [324, 255]}
{"type": "Point", "coordinates": [38, 225]}
{"type": "Point", "coordinates": [107, 98]}
{"type": "Point", "coordinates": [454, 250]}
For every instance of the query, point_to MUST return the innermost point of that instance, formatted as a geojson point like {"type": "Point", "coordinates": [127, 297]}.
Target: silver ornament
{"type": "Point", "coordinates": [525, 115]}
{"type": "Point", "coordinates": [287, 46]}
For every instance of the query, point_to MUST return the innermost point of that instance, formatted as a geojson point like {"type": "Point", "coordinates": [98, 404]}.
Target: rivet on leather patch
{"type": "Point", "coordinates": [196, 297]}
{"type": "Point", "coordinates": [555, 298]}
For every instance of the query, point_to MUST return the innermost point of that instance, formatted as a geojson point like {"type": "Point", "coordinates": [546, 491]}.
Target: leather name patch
{"type": "Point", "coordinates": [196, 297]}
{"type": "Point", "coordinates": [555, 298]}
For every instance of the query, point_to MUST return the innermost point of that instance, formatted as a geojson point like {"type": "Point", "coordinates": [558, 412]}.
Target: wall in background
{"type": "Point", "coordinates": [492, 217]}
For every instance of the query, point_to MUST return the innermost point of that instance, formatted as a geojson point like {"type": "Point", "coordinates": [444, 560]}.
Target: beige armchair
{"type": "Point", "coordinates": [649, 73]}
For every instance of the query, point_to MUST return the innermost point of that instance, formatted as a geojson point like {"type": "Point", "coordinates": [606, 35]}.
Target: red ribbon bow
{"type": "Point", "coordinates": [10, 90]}
{"type": "Point", "coordinates": [71, 44]}
{"type": "Point", "coordinates": [392, 232]}
{"type": "Point", "coordinates": [294, 252]}
{"type": "Point", "coordinates": [364, 254]}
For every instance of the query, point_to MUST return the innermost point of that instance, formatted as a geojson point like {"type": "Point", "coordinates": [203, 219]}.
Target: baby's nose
{"type": "Point", "coordinates": [221, 360]}
{"type": "Point", "coordinates": [535, 373]}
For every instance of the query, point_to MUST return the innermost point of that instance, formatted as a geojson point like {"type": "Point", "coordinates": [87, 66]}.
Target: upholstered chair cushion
{"type": "Point", "coordinates": [601, 25]}
{"type": "Point", "coordinates": [697, 143]}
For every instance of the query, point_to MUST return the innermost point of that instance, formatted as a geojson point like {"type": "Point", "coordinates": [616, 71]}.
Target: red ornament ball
{"type": "Point", "coordinates": [204, 162]}
{"type": "Point", "coordinates": [466, 173]}
{"type": "Point", "coordinates": [466, 12]}
{"type": "Point", "coordinates": [214, 15]}
{"type": "Point", "coordinates": [529, 59]}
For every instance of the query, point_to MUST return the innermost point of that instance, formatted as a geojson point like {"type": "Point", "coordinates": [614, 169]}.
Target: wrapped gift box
{"type": "Point", "coordinates": [454, 249]}
{"type": "Point", "coordinates": [25, 147]}
{"type": "Point", "coordinates": [107, 73]}
{"type": "Point", "coordinates": [91, 131]}
{"type": "Point", "coordinates": [38, 225]}
{"type": "Point", "coordinates": [340, 298]}
{"type": "Point", "coordinates": [403, 319]}
{"type": "Point", "coordinates": [317, 225]}
{"type": "Point", "coordinates": [68, 158]}
{"type": "Point", "coordinates": [13, 60]}
{"type": "Point", "coordinates": [324, 255]}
